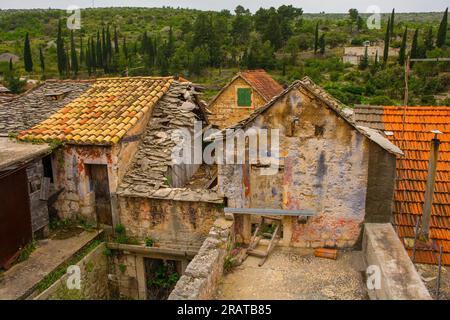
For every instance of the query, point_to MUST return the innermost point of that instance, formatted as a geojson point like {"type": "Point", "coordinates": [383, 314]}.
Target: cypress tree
{"type": "Point", "coordinates": [60, 51]}
{"type": "Point", "coordinates": [402, 54]}
{"type": "Point", "coordinates": [27, 59]}
{"type": "Point", "coordinates": [365, 60]}
{"type": "Point", "coordinates": [429, 42]}
{"type": "Point", "coordinates": [42, 60]}
{"type": "Point", "coordinates": [415, 45]}
{"type": "Point", "coordinates": [322, 44]}
{"type": "Point", "coordinates": [99, 52]}
{"type": "Point", "coordinates": [67, 61]}
{"type": "Point", "coordinates": [442, 33]}
{"type": "Point", "coordinates": [387, 38]}
{"type": "Point", "coordinates": [104, 51]}
{"type": "Point", "coordinates": [93, 55]}
{"type": "Point", "coordinates": [392, 25]}
{"type": "Point", "coordinates": [82, 57]}
{"type": "Point", "coordinates": [73, 55]}
{"type": "Point", "coordinates": [170, 43]}
{"type": "Point", "coordinates": [316, 38]}
{"type": "Point", "coordinates": [10, 65]}
{"type": "Point", "coordinates": [116, 40]}
{"type": "Point", "coordinates": [109, 50]}
{"type": "Point", "coordinates": [124, 48]}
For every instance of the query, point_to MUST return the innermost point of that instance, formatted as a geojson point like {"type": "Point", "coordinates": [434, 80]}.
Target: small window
{"type": "Point", "coordinates": [244, 97]}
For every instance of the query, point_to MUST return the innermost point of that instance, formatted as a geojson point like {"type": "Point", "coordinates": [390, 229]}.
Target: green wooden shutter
{"type": "Point", "coordinates": [244, 97]}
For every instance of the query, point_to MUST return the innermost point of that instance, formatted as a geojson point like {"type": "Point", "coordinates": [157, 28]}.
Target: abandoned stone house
{"type": "Point", "coordinates": [342, 173]}
{"type": "Point", "coordinates": [410, 129]}
{"type": "Point", "coordinates": [247, 91]}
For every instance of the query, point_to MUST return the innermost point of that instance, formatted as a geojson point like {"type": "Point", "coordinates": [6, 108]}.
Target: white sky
{"type": "Point", "coordinates": [307, 5]}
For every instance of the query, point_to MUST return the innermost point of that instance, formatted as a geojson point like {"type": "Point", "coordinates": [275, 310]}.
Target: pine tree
{"type": "Point", "coordinates": [402, 54]}
{"type": "Point", "coordinates": [365, 60]}
{"type": "Point", "coordinates": [42, 60]}
{"type": "Point", "coordinates": [429, 42]}
{"type": "Point", "coordinates": [316, 38]}
{"type": "Point", "coordinates": [387, 38]}
{"type": "Point", "coordinates": [415, 45]}
{"type": "Point", "coordinates": [27, 59]}
{"type": "Point", "coordinates": [73, 55]}
{"type": "Point", "coordinates": [392, 25]}
{"type": "Point", "coordinates": [442, 33]}
{"type": "Point", "coordinates": [322, 44]}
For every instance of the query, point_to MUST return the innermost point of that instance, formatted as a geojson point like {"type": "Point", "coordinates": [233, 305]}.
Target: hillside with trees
{"type": "Point", "coordinates": [209, 47]}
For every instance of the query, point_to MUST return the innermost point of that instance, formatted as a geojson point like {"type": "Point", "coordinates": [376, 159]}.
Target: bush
{"type": "Point", "coordinates": [381, 101]}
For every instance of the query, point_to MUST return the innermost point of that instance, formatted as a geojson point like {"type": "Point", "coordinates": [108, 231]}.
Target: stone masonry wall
{"type": "Point", "coordinates": [225, 110]}
{"type": "Point", "coordinates": [94, 280]}
{"type": "Point", "coordinates": [204, 272]}
{"type": "Point", "coordinates": [184, 222]}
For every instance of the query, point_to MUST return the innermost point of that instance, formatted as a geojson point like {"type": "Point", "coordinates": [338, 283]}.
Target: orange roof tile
{"type": "Point", "coordinates": [413, 136]}
{"type": "Point", "coordinates": [262, 82]}
{"type": "Point", "coordinates": [104, 113]}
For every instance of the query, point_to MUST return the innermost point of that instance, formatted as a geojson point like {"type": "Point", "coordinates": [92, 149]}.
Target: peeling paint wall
{"type": "Point", "coordinates": [324, 168]}
{"type": "Point", "coordinates": [225, 110]}
{"type": "Point", "coordinates": [166, 220]}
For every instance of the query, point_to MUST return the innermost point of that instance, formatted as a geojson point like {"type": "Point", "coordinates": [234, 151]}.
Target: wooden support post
{"type": "Point", "coordinates": [431, 180]}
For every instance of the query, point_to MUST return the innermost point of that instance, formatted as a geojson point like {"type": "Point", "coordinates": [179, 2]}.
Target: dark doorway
{"type": "Point", "coordinates": [47, 164]}
{"type": "Point", "coordinates": [15, 216]}
{"type": "Point", "coordinates": [99, 184]}
{"type": "Point", "coordinates": [161, 277]}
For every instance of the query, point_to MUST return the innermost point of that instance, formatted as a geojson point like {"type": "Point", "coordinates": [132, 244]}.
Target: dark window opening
{"type": "Point", "coordinates": [319, 130]}
{"type": "Point", "coordinates": [48, 170]}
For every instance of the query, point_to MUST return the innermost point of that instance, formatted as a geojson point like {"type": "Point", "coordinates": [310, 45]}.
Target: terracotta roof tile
{"type": "Point", "coordinates": [411, 128]}
{"type": "Point", "coordinates": [104, 113]}
{"type": "Point", "coordinates": [263, 83]}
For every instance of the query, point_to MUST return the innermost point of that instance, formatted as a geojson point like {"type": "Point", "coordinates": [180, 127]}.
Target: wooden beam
{"type": "Point", "coordinates": [272, 212]}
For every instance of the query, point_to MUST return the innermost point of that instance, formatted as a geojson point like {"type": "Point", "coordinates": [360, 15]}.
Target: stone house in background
{"type": "Point", "coordinates": [354, 55]}
{"type": "Point", "coordinates": [410, 129]}
{"type": "Point", "coordinates": [341, 172]}
{"type": "Point", "coordinates": [246, 92]}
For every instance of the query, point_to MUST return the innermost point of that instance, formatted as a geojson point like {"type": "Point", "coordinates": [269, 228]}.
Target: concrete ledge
{"type": "Point", "coordinates": [399, 277]}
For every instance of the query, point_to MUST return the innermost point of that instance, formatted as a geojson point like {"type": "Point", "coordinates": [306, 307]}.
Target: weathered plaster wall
{"type": "Point", "coordinates": [225, 110]}
{"type": "Point", "coordinates": [204, 272]}
{"type": "Point", "coordinates": [166, 220]}
{"type": "Point", "coordinates": [324, 169]}
{"type": "Point", "coordinates": [94, 280]}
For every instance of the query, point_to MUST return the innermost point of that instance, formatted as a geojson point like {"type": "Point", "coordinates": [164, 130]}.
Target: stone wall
{"type": "Point", "coordinates": [184, 222]}
{"type": "Point", "coordinates": [323, 169]}
{"type": "Point", "coordinates": [38, 207]}
{"type": "Point", "coordinates": [225, 110]}
{"type": "Point", "coordinates": [94, 280]}
{"type": "Point", "coordinates": [204, 272]}
{"type": "Point", "coordinates": [386, 257]}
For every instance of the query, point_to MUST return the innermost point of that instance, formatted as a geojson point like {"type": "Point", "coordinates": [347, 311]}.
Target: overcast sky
{"type": "Point", "coordinates": [307, 5]}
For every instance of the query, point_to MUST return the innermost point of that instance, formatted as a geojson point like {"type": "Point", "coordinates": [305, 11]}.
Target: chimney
{"type": "Point", "coordinates": [429, 191]}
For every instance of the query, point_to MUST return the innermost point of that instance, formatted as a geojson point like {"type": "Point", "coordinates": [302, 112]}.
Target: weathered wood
{"type": "Point", "coordinates": [45, 188]}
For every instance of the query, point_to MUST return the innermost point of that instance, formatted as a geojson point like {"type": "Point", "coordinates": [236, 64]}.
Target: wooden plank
{"type": "Point", "coordinates": [45, 188]}
{"type": "Point", "coordinates": [275, 212]}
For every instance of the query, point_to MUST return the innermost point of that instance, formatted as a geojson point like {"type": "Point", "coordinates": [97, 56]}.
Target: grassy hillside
{"type": "Point", "coordinates": [210, 54]}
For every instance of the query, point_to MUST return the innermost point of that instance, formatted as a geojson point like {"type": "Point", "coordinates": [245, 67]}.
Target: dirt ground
{"type": "Point", "coordinates": [295, 274]}
{"type": "Point", "coordinates": [429, 276]}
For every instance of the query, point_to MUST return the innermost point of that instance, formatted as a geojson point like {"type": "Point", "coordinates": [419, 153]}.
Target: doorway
{"type": "Point", "coordinates": [99, 184]}
{"type": "Point", "coordinates": [161, 277]}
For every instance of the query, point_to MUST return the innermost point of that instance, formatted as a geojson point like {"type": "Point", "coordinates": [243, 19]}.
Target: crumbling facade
{"type": "Point", "coordinates": [324, 166]}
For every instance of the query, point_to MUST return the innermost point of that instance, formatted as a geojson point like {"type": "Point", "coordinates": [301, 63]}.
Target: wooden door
{"type": "Point", "coordinates": [98, 174]}
{"type": "Point", "coordinates": [15, 216]}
